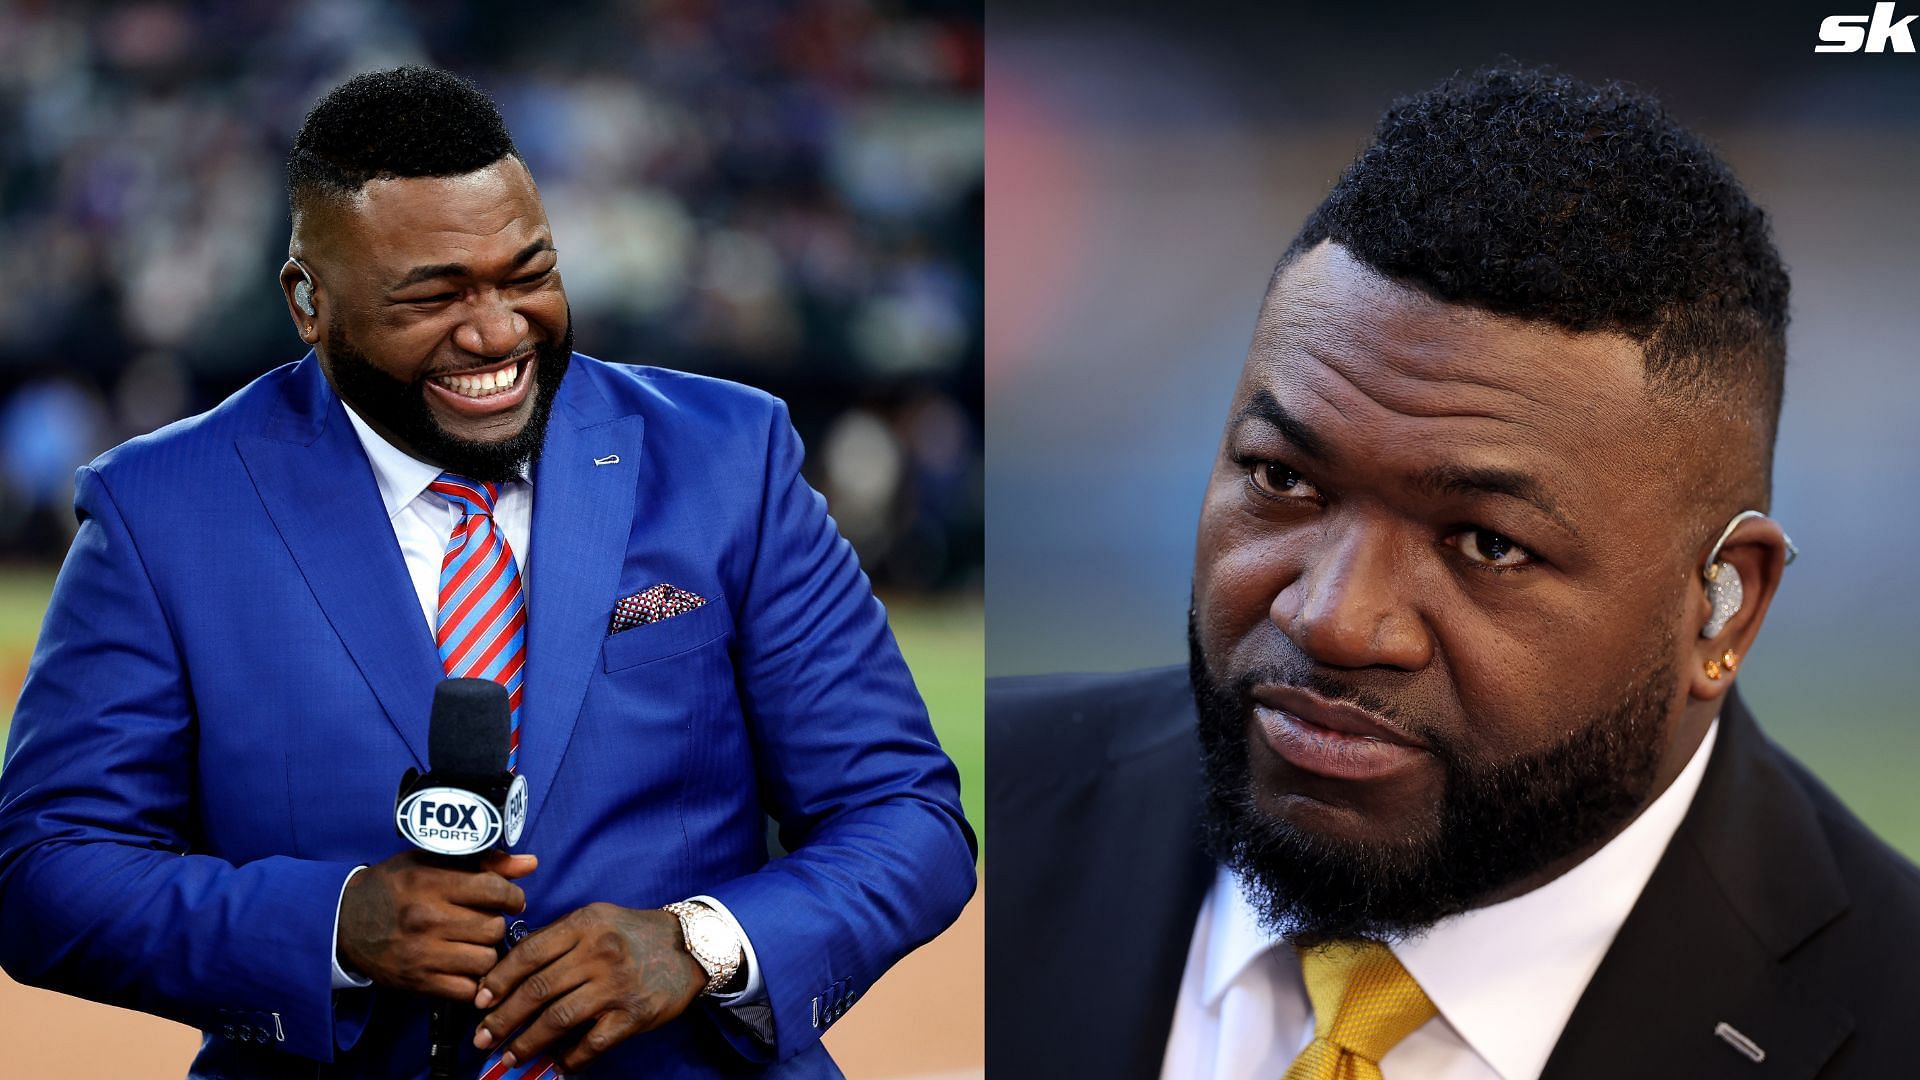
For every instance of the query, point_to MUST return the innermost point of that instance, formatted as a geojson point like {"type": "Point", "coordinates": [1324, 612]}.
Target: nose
{"type": "Point", "coordinates": [1350, 606]}
{"type": "Point", "coordinates": [492, 327]}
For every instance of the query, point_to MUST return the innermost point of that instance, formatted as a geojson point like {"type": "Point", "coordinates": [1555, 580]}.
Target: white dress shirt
{"type": "Point", "coordinates": [1505, 978]}
{"type": "Point", "coordinates": [422, 524]}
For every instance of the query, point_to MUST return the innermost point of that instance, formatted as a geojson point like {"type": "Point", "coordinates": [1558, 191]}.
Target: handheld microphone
{"type": "Point", "coordinates": [466, 804]}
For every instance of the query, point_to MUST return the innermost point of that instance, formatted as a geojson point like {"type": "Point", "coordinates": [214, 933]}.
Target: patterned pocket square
{"type": "Point", "coordinates": [662, 601]}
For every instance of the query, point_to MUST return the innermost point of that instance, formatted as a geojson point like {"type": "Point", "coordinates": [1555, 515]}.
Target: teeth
{"type": "Point", "coordinates": [485, 384]}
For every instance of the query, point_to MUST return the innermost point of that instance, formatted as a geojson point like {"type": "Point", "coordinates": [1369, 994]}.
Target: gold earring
{"type": "Point", "coordinates": [1713, 669]}
{"type": "Point", "coordinates": [1730, 661]}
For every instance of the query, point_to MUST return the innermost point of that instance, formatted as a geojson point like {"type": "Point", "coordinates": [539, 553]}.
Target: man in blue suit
{"type": "Point", "coordinates": [241, 654]}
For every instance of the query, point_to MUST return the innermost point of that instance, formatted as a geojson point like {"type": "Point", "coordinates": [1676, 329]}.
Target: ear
{"type": "Point", "coordinates": [307, 326]}
{"type": "Point", "coordinates": [1757, 551]}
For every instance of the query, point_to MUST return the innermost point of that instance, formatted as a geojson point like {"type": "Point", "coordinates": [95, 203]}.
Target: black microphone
{"type": "Point", "coordinates": [465, 805]}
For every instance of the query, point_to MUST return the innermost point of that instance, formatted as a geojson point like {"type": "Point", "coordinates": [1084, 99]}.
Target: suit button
{"type": "Point", "coordinates": [226, 1031]}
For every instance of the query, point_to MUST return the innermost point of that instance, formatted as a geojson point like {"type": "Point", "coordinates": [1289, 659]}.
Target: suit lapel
{"type": "Point", "coordinates": [1747, 878]}
{"type": "Point", "coordinates": [314, 479]}
{"type": "Point", "coordinates": [1159, 921]}
{"type": "Point", "coordinates": [1144, 819]}
{"type": "Point", "coordinates": [582, 517]}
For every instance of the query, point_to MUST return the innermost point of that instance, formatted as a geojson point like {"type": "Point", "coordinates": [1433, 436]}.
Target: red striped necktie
{"type": "Point", "coordinates": [482, 632]}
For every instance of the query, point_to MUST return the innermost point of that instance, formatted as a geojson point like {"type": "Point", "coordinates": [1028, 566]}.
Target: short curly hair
{"type": "Point", "coordinates": [1528, 193]}
{"type": "Point", "coordinates": [409, 121]}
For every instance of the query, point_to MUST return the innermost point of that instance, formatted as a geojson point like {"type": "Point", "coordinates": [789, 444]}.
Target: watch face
{"type": "Point", "coordinates": [709, 937]}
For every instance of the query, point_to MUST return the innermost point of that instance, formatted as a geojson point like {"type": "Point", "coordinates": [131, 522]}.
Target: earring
{"type": "Point", "coordinates": [1729, 662]}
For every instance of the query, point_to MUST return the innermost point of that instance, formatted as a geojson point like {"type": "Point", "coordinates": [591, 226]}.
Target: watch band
{"type": "Point", "coordinates": [712, 942]}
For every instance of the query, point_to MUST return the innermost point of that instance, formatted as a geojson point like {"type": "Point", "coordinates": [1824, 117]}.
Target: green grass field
{"type": "Point", "coordinates": [942, 640]}
{"type": "Point", "coordinates": [23, 598]}
{"type": "Point", "coordinates": [945, 644]}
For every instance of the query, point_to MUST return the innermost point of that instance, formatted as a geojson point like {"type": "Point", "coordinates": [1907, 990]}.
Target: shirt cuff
{"type": "Point", "coordinates": [755, 991]}
{"type": "Point", "coordinates": [342, 980]}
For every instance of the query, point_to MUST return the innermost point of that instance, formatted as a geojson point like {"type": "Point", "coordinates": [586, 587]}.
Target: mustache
{"type": "Point", "coordinates": [1306, 676]}
{"type": "Point", "coordinates": [1285, 665]}
{"type": "Point", "coordinates": [482, 364]}
{"type": "Point", "coordinates": [1327, 686]}
{"type": "Point", "coordinates": [520, 354]}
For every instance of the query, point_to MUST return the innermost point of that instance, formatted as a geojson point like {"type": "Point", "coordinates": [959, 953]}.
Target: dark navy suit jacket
{"type": "Point", "coordinates": [1774, 911]}
{"type": "Point", "coordinates": [233, 674]}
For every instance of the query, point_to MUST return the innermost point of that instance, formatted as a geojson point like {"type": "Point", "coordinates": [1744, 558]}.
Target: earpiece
{"type": "Point", "coordinates": [303, 290]}
{"type": "Point", "coordinates": [1725, 591]}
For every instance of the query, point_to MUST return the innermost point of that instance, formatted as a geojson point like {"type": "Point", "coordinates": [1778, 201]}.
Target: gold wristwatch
{"type": "Point", "coordinates": [711, 940]}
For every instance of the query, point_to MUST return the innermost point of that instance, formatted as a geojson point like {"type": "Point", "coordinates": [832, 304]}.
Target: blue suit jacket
{"type": "Point", "coordinates": [234, 673]}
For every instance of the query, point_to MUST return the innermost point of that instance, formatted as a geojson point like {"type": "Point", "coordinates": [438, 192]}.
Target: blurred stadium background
{"type": "Point", "coordinates": [1148, 163]}
{"type": "Point", "coordinates": [784, 193]}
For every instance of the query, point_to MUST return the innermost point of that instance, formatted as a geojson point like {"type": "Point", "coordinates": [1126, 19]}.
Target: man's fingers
{"type": "Point", "coordinates": [476, 928]}
{"type": "Point", "coordinates": [486, 892]}
{"type": "Point", "coordinates": [472, 961]}
{"type": "Point", "coordinates": [510, 866]}
{"type": "Point", "coordinates": [451, 987]}
{"type": "Point", "coordinates": [566, 1012]}
{"type": "Point", "coordinates": [536, 951]}
{"type": "Point", "coordinates": [430, 921]}
{"type": "Point", "coordinates": [538, 993]}
{"type": "Point", "coordinates": [614, 1027]}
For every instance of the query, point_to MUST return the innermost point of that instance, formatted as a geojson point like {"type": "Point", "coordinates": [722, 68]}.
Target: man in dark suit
{"type": "Point", "coordinates": [1455, 783]}
{"type": "Point", "coordinates": [196, 814]}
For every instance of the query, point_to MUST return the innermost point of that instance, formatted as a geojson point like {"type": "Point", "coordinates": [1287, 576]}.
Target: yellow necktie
{"type": "Point", "coordinates": [1364, 1003]}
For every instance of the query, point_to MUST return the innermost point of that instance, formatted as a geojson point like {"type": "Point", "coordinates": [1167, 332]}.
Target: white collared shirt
{"type": "Point", "coordinates": [1505, 978]}
{"type": "Point", "coordinates": [423, 521]}
{"type": "Point", "coordinates": [422, 525]}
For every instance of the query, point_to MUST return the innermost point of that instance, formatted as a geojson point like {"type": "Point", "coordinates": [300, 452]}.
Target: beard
{"type": "Point", "coordinates": [401, 408]}
{"type": "Point", "coordinates": [1496, 825]}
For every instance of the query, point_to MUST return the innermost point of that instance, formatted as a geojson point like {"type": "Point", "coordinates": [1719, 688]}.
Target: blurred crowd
{"type": "Point", "coordinates": [784, 193]}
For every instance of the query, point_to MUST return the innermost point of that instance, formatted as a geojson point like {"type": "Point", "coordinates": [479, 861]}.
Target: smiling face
{"type": "Point", "coordinates": [1439, 595]}
{"type": "Point", "coordinates": [440, 313]}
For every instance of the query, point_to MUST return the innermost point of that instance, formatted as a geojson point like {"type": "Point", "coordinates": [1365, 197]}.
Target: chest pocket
{"type": "Point", "coordinates": [669, 637]}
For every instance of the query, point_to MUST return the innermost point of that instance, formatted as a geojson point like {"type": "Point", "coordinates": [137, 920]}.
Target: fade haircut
{"type": "Point", "coordinates": [410, 121]}
{"type": "Point", "coordinates": [1528, 193]}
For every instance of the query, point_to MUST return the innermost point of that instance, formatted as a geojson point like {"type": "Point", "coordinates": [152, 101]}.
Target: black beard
{"type": "Point", "coordinates": [401, 409]}
{"type": "Point", "coordinates": [1496, 825]}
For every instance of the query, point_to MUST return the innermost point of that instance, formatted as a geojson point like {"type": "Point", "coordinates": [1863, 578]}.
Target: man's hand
{"type": "Point", "coordinates": [412, 923]}
{"type": "Point", "coordinates": [622, 970]}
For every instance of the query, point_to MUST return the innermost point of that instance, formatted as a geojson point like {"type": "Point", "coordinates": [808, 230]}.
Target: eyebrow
{"type": "Point", "coordinates": [1263, 406]}
{"type": "Point", "coordinates": [439, 270]}
{"type": "Point", "coordinates": [1438, 479]}
{"type": "Point", "coordinates": [1472, 480]}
